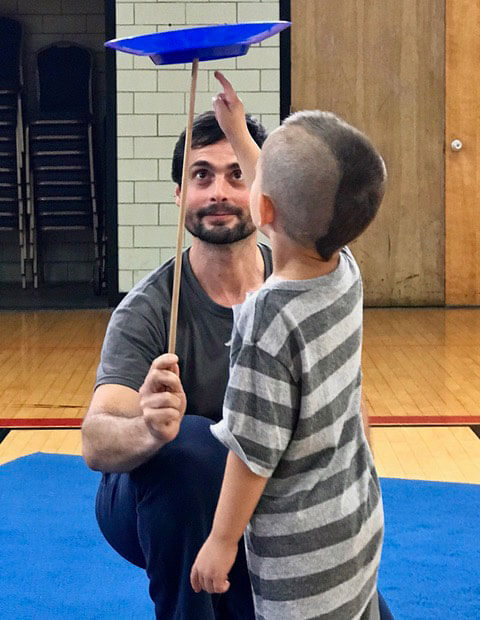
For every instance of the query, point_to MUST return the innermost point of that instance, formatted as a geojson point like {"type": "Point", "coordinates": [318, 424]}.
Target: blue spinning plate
{"type": "Point", "coordinates": [205, 43]}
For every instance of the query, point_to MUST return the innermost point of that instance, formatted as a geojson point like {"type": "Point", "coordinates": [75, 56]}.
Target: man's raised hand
{"type": "Point", "coordinates": [162, 398]}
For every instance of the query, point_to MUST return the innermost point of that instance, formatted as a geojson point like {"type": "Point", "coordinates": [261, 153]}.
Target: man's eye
{"type": "Point", "coordinates": [201, 174]}
{"type": "Point", "coordinates": [237, 174]}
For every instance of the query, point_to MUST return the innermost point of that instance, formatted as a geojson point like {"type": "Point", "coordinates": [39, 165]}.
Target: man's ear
{"type": "Point", "coordinates": [266, 210]}
{"type": "Point", "coordinates": [177, 194]}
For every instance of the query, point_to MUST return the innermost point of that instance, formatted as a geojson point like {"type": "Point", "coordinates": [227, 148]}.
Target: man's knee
{"type": "Point", "coordinates": [193, 463]}
{"type": "Point", "coordinates": [199, 448]}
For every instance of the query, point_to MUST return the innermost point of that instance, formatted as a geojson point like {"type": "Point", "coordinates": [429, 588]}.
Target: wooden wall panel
{"type": "Point", "coordinates": [462, 175]}
{"type": "Point", "coordinates": [380, 65]}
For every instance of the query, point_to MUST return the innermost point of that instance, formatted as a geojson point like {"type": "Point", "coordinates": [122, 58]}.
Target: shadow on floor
{"type": "Point", "coordinates": [70, 295]}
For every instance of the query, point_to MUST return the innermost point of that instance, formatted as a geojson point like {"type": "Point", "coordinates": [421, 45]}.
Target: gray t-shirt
{"type": "Point", "coordinates": [138, 333]}
{"type": "Point", "coordinates": [292, 414]}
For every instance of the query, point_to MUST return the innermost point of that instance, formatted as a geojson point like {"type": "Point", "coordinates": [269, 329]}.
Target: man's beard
{"type": "Point", "coordinates": [219, 234]}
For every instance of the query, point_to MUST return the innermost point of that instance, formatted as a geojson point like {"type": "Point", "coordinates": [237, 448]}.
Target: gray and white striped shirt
{"type": "Point", "coordinates": [292, 414]}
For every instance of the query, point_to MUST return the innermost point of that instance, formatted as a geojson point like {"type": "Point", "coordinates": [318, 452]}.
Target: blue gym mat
{"type": "Point", "coordinates": [55, 564]}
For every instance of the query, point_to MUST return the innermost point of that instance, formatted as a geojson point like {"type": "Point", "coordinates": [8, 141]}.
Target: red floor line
{"type": "Point", "coordinates": [375, 420]}
{"type": "Point", "coordinates": [44, 422]}
{"type": "Point", "coordinates": [405, 420]}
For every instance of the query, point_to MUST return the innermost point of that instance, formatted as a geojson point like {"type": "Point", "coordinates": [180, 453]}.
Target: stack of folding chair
{"type": "Point", "coordinates": [12, 215]}
{"type": "Point", "coordinates": [61, 179]}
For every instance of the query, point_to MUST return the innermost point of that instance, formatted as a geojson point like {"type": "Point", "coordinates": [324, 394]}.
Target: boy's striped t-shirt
{"type": "Point", "coordinates": [292, 414]}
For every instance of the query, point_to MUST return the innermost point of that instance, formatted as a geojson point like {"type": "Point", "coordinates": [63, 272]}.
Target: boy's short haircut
{"type": "Point", "coordinates": [206, 131]}
{"type": "Point", "coordinates": [324, 177]}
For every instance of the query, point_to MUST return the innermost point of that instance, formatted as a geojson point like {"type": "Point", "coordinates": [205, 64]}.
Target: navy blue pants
{"type": "Point", "coordinates": [158, 516]}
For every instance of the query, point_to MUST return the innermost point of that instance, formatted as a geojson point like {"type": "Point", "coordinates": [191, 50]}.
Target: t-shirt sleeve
{"type": "Point", "coordinates": [135, 337]}
{"type": "Point", "coordinates": [260, 409]}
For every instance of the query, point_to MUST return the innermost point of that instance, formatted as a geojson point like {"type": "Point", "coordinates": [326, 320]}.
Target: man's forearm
{"type": "Point", "coordinates": [116, 444]}
{"type": "Point", "coordinates": [241, 491]}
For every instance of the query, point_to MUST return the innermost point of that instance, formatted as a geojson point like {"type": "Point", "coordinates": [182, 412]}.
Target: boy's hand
{"type": "Point", "coordinates": [229, 110]}
{"type": "Point", "coordinates": [230, 114]}
{"type": "Point", "coordinates": [212, 565]}
{"type": "Point", "coordinates": [162, 398]}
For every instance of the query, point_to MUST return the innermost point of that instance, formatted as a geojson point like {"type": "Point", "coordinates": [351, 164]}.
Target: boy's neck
{"type": "Point", "coordinates": [294, 262]}
{"type": "Point", "coordinates": [227, 272]}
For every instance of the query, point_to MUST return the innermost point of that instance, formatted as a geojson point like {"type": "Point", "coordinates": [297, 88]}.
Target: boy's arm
{"type": "Point", "coordinates": [241, 490]}
{"type": "Point", "coordinates": [230, 115]}
{"type": "Point", "coordinates": [365, 419]}
{"type": "Point", "coordinates": [239, 496]}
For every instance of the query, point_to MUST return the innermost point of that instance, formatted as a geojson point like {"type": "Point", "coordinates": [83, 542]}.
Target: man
{"type": "Point", "coordinates": [157, 512]}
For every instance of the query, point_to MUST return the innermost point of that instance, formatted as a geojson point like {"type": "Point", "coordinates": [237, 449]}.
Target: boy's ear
{"type": "Point", "coordinates": [266, 210]}
{"type": "Point", "coordinates": [177, 195]}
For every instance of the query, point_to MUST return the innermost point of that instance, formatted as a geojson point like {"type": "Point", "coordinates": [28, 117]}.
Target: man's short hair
{"type": "Point", "coordinates": [325, 178]}
{"type": "Point", "coordinates": [206, 131]}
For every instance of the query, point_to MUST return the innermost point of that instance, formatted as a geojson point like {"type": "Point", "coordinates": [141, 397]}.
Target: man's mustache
{"type": "Point", "coordinates": [219, 208]}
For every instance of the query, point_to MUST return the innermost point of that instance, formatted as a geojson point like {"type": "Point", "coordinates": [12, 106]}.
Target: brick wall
{"type": "Point", "coordinates": [152, 103]}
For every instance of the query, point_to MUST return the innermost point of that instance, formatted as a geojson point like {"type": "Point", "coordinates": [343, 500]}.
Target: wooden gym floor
{"type": "Point", "coordinates": [421, 382]}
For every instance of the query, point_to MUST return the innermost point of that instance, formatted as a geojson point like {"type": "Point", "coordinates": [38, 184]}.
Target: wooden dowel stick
{"type": "Point", "coordinates": [172, 337]}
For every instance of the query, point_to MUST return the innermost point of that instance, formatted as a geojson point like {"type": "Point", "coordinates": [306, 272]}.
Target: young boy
{"type": "Point", "coordinates": [300, 479]}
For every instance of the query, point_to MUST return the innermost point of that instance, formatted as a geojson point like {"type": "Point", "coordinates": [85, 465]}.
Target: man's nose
{"type": "Point", "coordinates": [219, 189]}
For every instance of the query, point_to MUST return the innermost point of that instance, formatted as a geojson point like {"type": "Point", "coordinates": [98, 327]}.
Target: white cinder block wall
{"type": "Point", "coordinates": [152, 103]}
